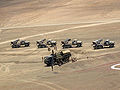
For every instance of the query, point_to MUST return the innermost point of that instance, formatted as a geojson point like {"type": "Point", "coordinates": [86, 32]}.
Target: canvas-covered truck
{"type": "Point", "coordinates": [57, 58]}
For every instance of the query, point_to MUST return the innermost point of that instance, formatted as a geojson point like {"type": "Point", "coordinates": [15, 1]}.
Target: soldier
{"type": "Point", "coordinates": [49, 49]}
{"type": "Point", "coordinates": [55, 48]}
{"type": "Point", "coordinates": [52, 63]}
{"type": "Point", "coordinates": [42, 59]}
{"type": "Point", "coordinates": [52, 60]}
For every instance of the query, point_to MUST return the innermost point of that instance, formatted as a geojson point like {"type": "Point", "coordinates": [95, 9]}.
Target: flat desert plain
{"type": "Point", "coordinates": [86, 20]}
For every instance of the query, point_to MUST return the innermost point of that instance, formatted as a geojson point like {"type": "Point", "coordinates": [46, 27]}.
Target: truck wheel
{"type": "Point", "coordinates": [60, 63]}
{"type": "Point", "coordinates": [63, 47]}
{"type": "Point", "coordinates": [43, 46]}
{"type": "Point", "coordinates": [111, 46]}
{"type": "Point", "coordinates": [94, 47]}
{"type": "Point", "coordinates": [79, 45]}
{"type": "Point", "coordinates": [26, 45]}
{"type": "Point", "coordinates": [13, 46]}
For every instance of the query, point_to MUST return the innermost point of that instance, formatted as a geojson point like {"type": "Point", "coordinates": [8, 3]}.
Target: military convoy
{"type": "Point", "coordinates": [107, 43]}
{"type": "Point", "coordinates": [62, 56]}
{"type": "Point", "coordinates": [97, 44]}
{"type": "Point", "coordinates": [20, 43]}
{"type": "Point", "coordinates": [75, 43]}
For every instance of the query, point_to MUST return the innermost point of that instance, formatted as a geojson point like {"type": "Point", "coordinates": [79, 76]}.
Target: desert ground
{"type": "Point", "coordinates": [86, 20]}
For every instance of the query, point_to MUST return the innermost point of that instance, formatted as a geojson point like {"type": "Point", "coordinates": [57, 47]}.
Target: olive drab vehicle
{"type": "Point", "coordinates": [97, 44]}
{"type": "Point", "coordinates": [108, 43]}
{"type": "Point", "coordinates": [51, 43]}
{"type": "Point", "coordinates": [57, 58]}
{"type": "Point", "coordinates": [41, 43]}
{"type": "Point", "coordinates": [17, 43]}
{"type": "Point", "coordinates": [66, 44]}
{"type": "Point", "coordinates": [77, 43]}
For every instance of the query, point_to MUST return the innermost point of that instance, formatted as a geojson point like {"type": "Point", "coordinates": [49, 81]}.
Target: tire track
{"type": "Point", "coordinates": [16, 27]}
{"type": "Point", "coordinates": [18, 73]}
{"type": "Point", "coordinates": [34, 82]}
{"type": "Point", "coordinates": [68, 23]}
{"type": "Point", "coordinates": [38, 83]}
{"type": "Point", "coordinates": [92, 68]}
{"type": "Point", "coordinates": [47, 84]}
{"type": "Point", "coordinates": [61, 88]}
{"type": "Point", "coordinates": [62, 30]}
{"type": "Point", "coordinates": [44, 83]}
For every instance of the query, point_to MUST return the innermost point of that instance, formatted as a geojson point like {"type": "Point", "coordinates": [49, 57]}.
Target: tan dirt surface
{"type": "Point", "coordinates": [86, 20]}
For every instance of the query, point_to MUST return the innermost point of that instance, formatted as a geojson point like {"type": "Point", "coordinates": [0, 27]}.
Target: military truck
{"type": "Point", "coordinates": [51, 43]}
{"type": "Point", "coordinates": [97, 44]}
{"type": "Point", "coordinates": [66, 44]}
{"type": "Point", "coordinates": [57, 58]}
{"type": "Point", "coordinates": [17, 43]}
{"type": "Point", "coordinates": [77, 43]}
{"type": "Point", "coordinates": [108, 43]}
{"type": "Point", "coordinates": [41, 43]}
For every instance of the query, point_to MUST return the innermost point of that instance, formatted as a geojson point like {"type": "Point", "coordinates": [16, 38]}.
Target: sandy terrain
{"type": "Point", "coordinates": [23, 69]}
{"type": "Point", "coordinates": [37, 12]}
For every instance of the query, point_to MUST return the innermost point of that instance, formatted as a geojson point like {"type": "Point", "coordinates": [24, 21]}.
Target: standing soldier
{"type": "Point", "coordinates": [55, 48]}
{"type": "Point", "coordinates": [52, 60]}
{"type": "Point", "coordinates": [49, 49]}
{"type": "Point", "coordinates": [42, 59]}
{"type": "Point", "coordinates": [52, 63]}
